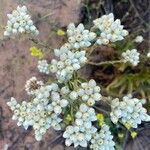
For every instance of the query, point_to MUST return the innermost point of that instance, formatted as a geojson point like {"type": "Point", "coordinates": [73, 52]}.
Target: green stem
{"type": "Point", "coordinates": [101, 110]}
{"type": "Point", "coordinates": [91, 50]}
{"type": "Point", "coordinates": [126, 139]}
{"type": "Point", "coordinates": [107, 100]}
{"type": "Point", "coordinates": [45, 16]}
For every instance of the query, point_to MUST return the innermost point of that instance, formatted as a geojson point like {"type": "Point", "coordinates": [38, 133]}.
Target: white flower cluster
{"type": "Point", "coordinates": [20, 111]}
{"type": "Point", "coordinates": [38, 116]}
{"type": "Point", "coordinates": [57, 103]}
{"type": "Point", "coordinates": [89, 92]}
{"type": "Point", "coordinates": [78, 37]}
{"type": "Point", "coordinates": [43, 93]}
{"type": "Point", "coordinates": [45, 123]}
{"type": "Point", "coordinates": [72, 95]}
{"type": "Point", "coordinates": [68, 63]}
{"type": "Point", "coordinates": [148, 54]}
{"type": "Point", "coordinates": [111, 30]}
{"type": "Point", "coordinates": [81, 132]}
{"type": "Point", "coordinates": [32, 85]}
{"type": "Point", "coordinates": [20, 22]}
{"type": "Point", "coordinates": [43, 66]}
{"type": "Point", "coordinates": [128, 111]}
{"type": "Point", "coordinates": [131, 56]}
{"type": "Point", "coordinates": [103, 140]}
{"type": "Point", "coordinates": [43, 112]}
{"type": "Point", "coordinates": [139, 39]}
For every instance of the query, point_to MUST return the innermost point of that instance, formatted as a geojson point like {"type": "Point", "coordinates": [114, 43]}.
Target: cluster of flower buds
{"type": "Point", "coordinates": [57, 104]}
{"type": "Point", "coordinates": [110, 30]}
{"type": "Point", "coordinates": [68, 63]}
{"type": "Point", "coordinates": [148, 54]}
{"type": "Point", "coordinates": [43, 112]}
{"type": "Point", "coordinates": [43, 66]}
{"type": "Point", "coordinates": [20, 22]}
{"type": "Point", "coordinates": [131, 56]}
{"type": "Point", "coordinates": [89, 92]}
{"type": "Point", "coordinates": [32, 85]}
{"type": "Point", "coordinates": [139, 39]}
{"type": "Point", "coordinates": [20, 111]}
{"type": "Point", "coordinates": [79, 37]}
{"type": "Point", "coordinates": [43, 94]}
{"type": "Point", "coordinates": [128, 111]}
{"type": "Point", "coordinates": [103, 140]}
{"type": "Point", "coordinates": [81, 132]}
{"type": "Point", "coordinates": [45, 123]}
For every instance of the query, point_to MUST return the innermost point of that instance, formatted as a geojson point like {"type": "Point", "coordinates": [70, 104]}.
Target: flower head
{"type": "Point", "coordinates": [32, 85]}
{"type": "Point", "coordinates": [148, 54]}
{"type": "Point", "coordinates": [20, 22]}
{"type": "Point", "coordinates": [68, 63]}
{"type": "Point", "coordinates": [129, 111]}
{"type": "Point", "coordinates": [43, 66]}
{"type": "Point", "coordinates": [81, 132]}
{"type": "Point", "coordinates": [89, 92]}
{"type": "Point", "coordinates": [139, 39]}
{"type": "Point", "coordinates": [131, 56]}
{"type": "Point", "coordinates": [103, 139]}
{"type": "Point", "coordinates": [111, 30]}
{"type": "Point", "coordinates": [79, 37]}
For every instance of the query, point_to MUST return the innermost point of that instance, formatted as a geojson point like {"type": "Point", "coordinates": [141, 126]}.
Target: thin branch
{"type": "Point", "coordinates": [102, 110]}
{"type": "Point", "coordinates": [126, 140]}
{"type": "Point", "coordinates": [106, 62]}
{"type": "Point", "coordinates": [126, 14]}
{"type": "Point", "coordinates": [41, 43]}
{"type": "Point", "coordinates": [107, 100]}
{"type": "Point", "coordinates": [55, 139]}
{"type": "Point", "coordinates": [43, 17]}
{"type": "Point", "coordinates": [138, 14]}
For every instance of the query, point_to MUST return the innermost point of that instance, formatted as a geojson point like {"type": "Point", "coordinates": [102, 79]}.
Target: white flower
{"type": "Point", "coordinates": [79, 37]}
{"type": "Point", "coordinates": [81, 132]}
{"type": "Point", "coordinates": [56, 122]}
{"type": "Point", "coordinates": [20, 112]}
{"type": "Point", "coordinates": [139, 39]}
{"type": "Point", "coordinates": [128, 111]}
{"type": "Point", "coordinates": [43, 112]}
{"type": "Point", "coordinates": [89, 92]}
{"type": "Point", "coordinates": [68, 63]}
{"type": "Point", "coordinates": [12, 104]}
{"type": "Point", "coordinates": [102, 140]}
{"type": "Point", "coordinates": [38, 115]}
{"type": "Point", "coordinates": [20, 22]}
{"type": "Point", "coordinates": [148, 54]}
{"type": "Point", "coordinates": [65, 90]}
{"type": "Point", "coordinates": [73, 95]}
{"type": "Point", "coordinates": [32, 85]}
{"type": "Point", "coordinates": [85, 116]}
{"type": "Point", "coordinates": [131, 56]}
{"type": "Point", "coordinates": [43, 66]}
{"type": "Point", "coordinates": [111, 30]}
{"type": "Point", "coordinates": [58, 103]}
{"type": "Point", "coordinates": [43, 93]}
{"type": "Point", "coordinates": [74, 135]}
